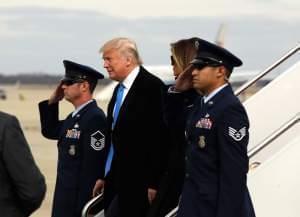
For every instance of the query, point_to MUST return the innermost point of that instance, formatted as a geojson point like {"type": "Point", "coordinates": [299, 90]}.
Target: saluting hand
{"type": "Point", "coordinates": [151, 194]}
{"type": "Point", "coordinates": [184, 80]}
{"type": "Point", "coordinates": [57, 95]}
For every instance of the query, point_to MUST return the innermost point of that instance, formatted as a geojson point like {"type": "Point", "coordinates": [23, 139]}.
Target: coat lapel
{"type": "Point", "coordinates": [220, 96]}
{"type": "Point", "coordinates": [131, 95]}
{"type": "Point", "coordinates": [85, 108]}
{"type": "Point", "coordinates": [111, 105]}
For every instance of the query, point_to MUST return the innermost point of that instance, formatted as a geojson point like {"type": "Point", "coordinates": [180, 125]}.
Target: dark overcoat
{"type": "Point", "coordinates": [139, 145]}
{"type": "Point", "coordinates": [22, 183]}
{"type": "Point", "coordinates": [176, 106]}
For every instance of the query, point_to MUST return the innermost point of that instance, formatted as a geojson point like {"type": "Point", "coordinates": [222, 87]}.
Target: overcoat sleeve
{"type": "Point", "coordinates": [28, 181]}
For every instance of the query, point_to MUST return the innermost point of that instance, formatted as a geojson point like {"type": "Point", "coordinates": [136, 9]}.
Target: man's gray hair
{"type": "Point", "coordinates": [125, 46]}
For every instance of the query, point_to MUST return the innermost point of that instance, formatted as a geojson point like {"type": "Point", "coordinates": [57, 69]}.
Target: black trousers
{"type": "Point", "coordinates": [113, 209]}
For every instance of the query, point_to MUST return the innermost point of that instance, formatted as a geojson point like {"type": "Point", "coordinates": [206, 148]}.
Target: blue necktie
{"type": "Point", "coordinates": [118, 104]}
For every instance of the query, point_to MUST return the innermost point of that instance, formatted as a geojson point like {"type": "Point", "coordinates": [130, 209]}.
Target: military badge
{"type": "Point", "coordinates": [204, 123]}
{"type": "Point", "coordinates": [201, 142]}
{"type": "Point", "coordinates": [72, 150]}
{"type": "Point", "coordinates": [73, 134]}
{"type": "Point", "coordinates": [237, 135]}
{"type": "Point", "coordinates": [97, 141]}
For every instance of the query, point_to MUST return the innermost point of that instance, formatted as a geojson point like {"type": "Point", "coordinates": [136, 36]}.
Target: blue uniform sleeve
{"type": "Point", "coordinates": [233, 138]}
{"type": "Point", "coordinates": [93, 158]}
{"type": "Point", "coordinates": [50, 124]}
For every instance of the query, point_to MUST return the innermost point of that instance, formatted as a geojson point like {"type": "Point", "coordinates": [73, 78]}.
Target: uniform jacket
{"type": "Point", "coordinates": [139, 145]}
{"type": "Point", "coordinates": [81, 155]}
{"type": "Point", "coordinates": [217, 161]}
{"type": "Point", "coordinates": [22, 184]}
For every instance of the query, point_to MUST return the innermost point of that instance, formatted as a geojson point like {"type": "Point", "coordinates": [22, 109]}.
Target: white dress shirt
{"type": "Point", "coordinates": [128, 81]}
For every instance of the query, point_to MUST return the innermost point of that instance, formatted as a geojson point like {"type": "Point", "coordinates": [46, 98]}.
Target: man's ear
{"type": "Point", "coordinates": [85, 86]}
{"type": "Point", "coordinates": [221, 72]}
{"type": "Point", "coordinates": [128, 61]}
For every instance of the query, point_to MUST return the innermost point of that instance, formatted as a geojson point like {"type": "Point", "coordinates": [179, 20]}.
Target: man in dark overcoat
{"type": "Point", "coordinates": [22, 184]}
{"type": "Point", "coordinates": [136, 132]}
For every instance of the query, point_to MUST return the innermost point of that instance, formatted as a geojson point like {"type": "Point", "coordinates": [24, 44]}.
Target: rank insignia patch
{"type": "Point", "coordinates": [237, 135]}
{"type": "Point", "coordinates": [97, 141]}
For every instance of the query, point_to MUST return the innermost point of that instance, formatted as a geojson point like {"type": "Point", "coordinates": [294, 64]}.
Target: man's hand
{"type": "Point", "coordinates": [184, 80]}
{"type": "Point", "coordinates": [57, 95]}
{"type": "Point", "coordinates": [98, 188]}
{"type": "Point", "coordinates": [151, 194]}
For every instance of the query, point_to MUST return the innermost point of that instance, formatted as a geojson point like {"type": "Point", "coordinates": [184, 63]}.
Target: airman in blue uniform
{"type": "Point", "coordinates": [217, 133]}
{"type": "Point", "coordinates": [81, 139]}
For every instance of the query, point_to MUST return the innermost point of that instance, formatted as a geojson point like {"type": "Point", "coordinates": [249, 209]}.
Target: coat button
{"type": "Point", "coordinates": [187, 175]}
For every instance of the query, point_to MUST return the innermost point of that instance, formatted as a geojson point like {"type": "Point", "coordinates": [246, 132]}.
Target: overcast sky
{"type": "Point", "coordinates": [35, 36]}
{"type": "Point", "coordinates": [282, 9]}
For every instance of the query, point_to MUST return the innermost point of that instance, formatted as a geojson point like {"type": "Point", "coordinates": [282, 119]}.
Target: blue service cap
{"type": "Point", "coordinates": [76, 71]}
{"type": "Point", "coordinates": [214, 55]}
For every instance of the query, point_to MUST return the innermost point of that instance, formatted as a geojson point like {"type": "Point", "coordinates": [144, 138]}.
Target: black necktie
{"type": "Point", "coordinates": [202, 102]}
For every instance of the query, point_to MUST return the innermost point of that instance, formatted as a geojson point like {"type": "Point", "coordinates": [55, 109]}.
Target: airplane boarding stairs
{"type": "Point", "coordinates": [274, 183]}
{"type": "Point", "coordinates": [274, 147]}
{"type": "Point", "coordinates": [274, 104]}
